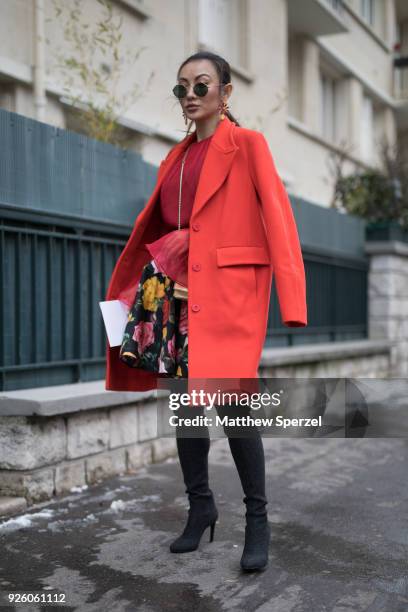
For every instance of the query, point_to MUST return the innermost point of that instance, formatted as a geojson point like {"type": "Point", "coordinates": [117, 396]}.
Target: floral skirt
{"type": "Point", "coordinates": [155, 336]}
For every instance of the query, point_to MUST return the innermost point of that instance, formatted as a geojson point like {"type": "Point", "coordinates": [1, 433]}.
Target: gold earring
{"type": "Point", "coordinates": [224, 109]}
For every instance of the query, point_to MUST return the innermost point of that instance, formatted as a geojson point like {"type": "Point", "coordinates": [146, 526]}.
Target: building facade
{"type": "Point", "coordinates": [317, 77]}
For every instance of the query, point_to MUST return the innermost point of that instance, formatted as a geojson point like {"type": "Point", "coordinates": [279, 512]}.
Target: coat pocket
{"type": "Point", "coordinates": [241, 255]}
{"type": "Point", "coordinates": [238, 265]}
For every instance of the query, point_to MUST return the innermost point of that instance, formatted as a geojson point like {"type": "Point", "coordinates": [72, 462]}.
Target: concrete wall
{"type": "Point", "coordinates": [52, 442]}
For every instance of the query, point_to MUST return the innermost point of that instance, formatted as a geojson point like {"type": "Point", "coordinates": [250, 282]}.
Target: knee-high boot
{"type": "Point", "coordinates": [249, 458]}
{"type": "Point", "coordinates": [193, 455]}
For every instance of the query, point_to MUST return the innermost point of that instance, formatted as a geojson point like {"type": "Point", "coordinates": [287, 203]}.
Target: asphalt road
{"type": "Point", "coordinates": [338, 510]}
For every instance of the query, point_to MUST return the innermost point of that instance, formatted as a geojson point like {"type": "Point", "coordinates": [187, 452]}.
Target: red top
{"type": "Point", "coordinates": [169, 191]}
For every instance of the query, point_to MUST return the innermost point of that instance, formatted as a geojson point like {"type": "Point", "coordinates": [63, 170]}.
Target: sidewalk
{"type": "Point", "coordinates": [339, 543]}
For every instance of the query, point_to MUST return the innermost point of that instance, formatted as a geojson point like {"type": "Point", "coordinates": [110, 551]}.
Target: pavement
{"type": "Point", "coordinates": [339, 542]}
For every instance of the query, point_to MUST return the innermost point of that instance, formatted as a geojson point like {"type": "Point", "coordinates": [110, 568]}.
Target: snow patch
{"type": "Point", "coordinates": [78, 489]}
{"type": "Point", "coordinates": [118, 505]}
{"type": "Point", "coordinates": [25, 520]}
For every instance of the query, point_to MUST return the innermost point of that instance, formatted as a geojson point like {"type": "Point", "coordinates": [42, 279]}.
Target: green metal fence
{"type": "Point", "coordinates": [336, 278]}
{"type": "Point", "coordinates": [54, 273]}
{"type": "Point", "coordinates": [67, 207]}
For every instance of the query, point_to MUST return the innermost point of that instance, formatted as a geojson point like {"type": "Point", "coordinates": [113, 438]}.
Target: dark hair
{"type": "Point", "coordinates": [223, 70]}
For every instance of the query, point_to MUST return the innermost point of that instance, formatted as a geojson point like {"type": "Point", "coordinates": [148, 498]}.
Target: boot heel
{"type": "Point", "coordinates": [212, 531]}
{"type": "Point", "coordinates": [197, 523]}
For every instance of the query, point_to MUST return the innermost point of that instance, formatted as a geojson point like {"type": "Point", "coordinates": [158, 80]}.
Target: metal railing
{"type": "Point", "coordinates": [67, 207]}
{"type": "Point", "coordinates": [53, 274]}
{"type": "Point", "coordinates": [337, 304]}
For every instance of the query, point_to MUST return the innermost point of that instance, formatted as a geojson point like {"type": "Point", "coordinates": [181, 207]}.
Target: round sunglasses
{"type": "Point", "coordinates": [200, 89]}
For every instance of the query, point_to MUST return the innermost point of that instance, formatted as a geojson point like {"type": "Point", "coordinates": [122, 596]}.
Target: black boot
{"type": "Point", "coordinates": [193, 455]}
{"type": "Point", "coordinates": [249, 458]}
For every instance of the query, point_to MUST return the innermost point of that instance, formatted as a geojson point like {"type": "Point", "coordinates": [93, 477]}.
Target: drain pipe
{"type": "Point", "coordinates": [40, 100]}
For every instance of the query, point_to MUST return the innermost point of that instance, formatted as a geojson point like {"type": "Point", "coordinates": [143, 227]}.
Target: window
{"type": "Point", "coordinates": [328, 107]}
{"type": "Point", "coordinates": [295, 76]}
{"type": "Point", "coordinates": [336, 4]}
{"type": "Point", "coordinates": [401, 72]}
{"type": "Point", "coordinates": [7, 96]}
{"type": "Point", "coordinates": [221, 27]}
{"type": "Point", "coordinates": [367, 10]}
{"type": "Point", "coordinates": [367, 129]}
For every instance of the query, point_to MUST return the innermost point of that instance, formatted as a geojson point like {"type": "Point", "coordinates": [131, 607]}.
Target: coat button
{"type": "Point", "coordinates": [196, 267]}
{"type": "Point", "coordinates": [195, 307]}
{"type": "Point", "coordinates": [196, 227]}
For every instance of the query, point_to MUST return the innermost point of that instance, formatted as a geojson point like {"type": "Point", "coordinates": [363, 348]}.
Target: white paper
{"type": "Point", "coordinates": [115, 316]}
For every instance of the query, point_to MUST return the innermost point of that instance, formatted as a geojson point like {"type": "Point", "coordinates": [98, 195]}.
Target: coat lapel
{"type": "Point", "coordinates": [217, 163]}
{"type": "Point", "coordinates": [216, 166]}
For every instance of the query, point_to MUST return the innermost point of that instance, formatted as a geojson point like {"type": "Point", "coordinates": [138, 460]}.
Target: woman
{"type": "Point", "coordinates": [239, 231]}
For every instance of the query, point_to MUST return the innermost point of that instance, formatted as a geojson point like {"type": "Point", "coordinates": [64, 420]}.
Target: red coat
{"type": "Point", "coordinates": [242, 232]}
